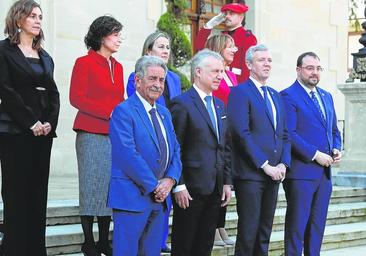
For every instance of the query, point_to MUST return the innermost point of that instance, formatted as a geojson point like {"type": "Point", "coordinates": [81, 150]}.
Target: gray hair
{"type": "Point", "coordinates": [253, 49]}
{"type": "Point", "coordinates": [148, 61]}
{"type": "Point", "coordinates": [199, 60]}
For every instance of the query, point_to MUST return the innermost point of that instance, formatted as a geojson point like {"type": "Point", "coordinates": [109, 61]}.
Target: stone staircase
{"type": "Point", "coordinates": [346, 225]}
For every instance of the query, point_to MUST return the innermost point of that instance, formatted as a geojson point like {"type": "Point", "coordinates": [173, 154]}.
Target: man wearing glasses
{"type": "Point", "coordinates": [316, 145]}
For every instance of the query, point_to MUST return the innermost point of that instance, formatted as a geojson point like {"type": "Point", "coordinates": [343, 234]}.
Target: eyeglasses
{"type": "Point", "coordinates": [313, 68]}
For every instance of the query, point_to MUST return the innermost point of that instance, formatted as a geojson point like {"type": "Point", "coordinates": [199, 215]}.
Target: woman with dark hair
{"type": "Point", "coordinates": [158, 44]}
{"type": "Point", "coordinates": [223, 44]}
{"type": "Point", "coordinates": [96, 88]}
{"type": "Point", "coordinates": [28, 118]}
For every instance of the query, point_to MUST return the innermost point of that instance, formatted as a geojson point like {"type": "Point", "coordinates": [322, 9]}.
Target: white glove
{"type": "Point", "coordinates": [214, 21]}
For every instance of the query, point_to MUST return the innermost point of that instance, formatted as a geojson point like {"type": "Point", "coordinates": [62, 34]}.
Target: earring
{"type": "Point", "coordinates": [19, 30]}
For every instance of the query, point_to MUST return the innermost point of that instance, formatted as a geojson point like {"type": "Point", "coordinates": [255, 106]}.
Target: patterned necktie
{"type": "Point", "coordinates": [208, 100]}
{"type": "Point", "coordinates": [161, 141]}
{"type": "Point", "coordinates": [317, 105]}
{"type": "Point", "coordinates": [268, 103]}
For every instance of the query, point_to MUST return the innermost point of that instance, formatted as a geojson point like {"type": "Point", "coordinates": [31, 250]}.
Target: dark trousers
{"type": "Point", "coordinates": [25, 169]}
{"type": "Point", "coordinates": [306, 214]}
{"type": "Point", "coordinates": [194, 227]}
{"type": "Point", "coordinates": [256, 205]}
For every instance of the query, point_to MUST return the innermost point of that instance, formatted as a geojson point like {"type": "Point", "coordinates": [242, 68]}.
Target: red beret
{"type": "Point", "coordinates": [235, 7]}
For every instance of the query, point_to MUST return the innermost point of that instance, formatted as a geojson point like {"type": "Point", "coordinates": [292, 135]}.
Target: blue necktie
{"type": "Point", "coordinates": [208, 100]}
{"type": "Point", "coordinates": [268, 103]}
{"type": "Point", "coordinates": [161, 141]}
{"type": "Point", "coordinates": [317, 105]}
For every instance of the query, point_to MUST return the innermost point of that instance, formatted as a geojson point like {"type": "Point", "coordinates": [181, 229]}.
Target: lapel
{"type": "Point", "coordinates": [201, 107]}
{"type": "Point", "coordinates": [276, 102]}
{"type": "Point", "coordinates": [18, 57]}
{"type": "Point", "coordinates": [218, 117]}
{"type": "Point", "coordinates": [47, 62]}
{"type": "Point", "coordinates": [260, 99]}
{"type": "Point", "coordinates": [165, 121]}
{"type": "Point", "coordinates": [309, 102]}
{"type": "Point", "coordinates": [325, 104]}
{"type": "Point", "coordinates": [139, 107]}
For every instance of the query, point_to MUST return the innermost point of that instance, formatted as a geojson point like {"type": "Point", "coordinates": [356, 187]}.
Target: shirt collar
{"type": "Point", "coordinates": [307, 90]}
{"type": "Point", "coordinates": [201, 93]}
{"type": "Point", "coordinates": [146, 104]}
{"type": "Point", "coordinates": [256, 83]}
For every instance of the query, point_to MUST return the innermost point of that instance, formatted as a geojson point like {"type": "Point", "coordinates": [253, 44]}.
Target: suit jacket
{"type": "Point", "coordinates": [205, 163]}
{"type": "Point", "coordinates": [224, 89]}
{"type": "Point", "coordinates": [172, 80]}
{"type": "Point", "coordinates": [135, 155]}
{"type": "Point", "coordinates": [255, 139]}
{"type": "Point", "coordinates": [308, 132]}
{"type": "Point", "coordinates": [243, 40]}
{"type": "Point", "coordinates": [24, 98]}
{"type": "Point", "coordinates": [94, 93]}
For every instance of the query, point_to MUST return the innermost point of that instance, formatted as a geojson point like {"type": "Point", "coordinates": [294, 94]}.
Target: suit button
{"type": "Point", "coordinates": [275, 151]}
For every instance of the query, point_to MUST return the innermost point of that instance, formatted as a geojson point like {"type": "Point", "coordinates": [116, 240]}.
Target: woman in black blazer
{"type": "Point", "coordinates": [28, 118]}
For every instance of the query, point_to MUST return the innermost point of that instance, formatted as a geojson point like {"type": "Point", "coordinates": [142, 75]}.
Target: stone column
{"type": "Point", "coordinates": [352, 169]}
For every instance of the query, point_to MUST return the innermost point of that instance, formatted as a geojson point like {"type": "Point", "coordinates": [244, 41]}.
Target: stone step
{"type": "Point", "coordinates": [341, 239]}
{"type": "Point", "coordinates": [67, 211]}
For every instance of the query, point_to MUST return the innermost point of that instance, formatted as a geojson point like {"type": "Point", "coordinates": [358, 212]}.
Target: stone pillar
{"type": "Point", "coordinates": [352, 169]}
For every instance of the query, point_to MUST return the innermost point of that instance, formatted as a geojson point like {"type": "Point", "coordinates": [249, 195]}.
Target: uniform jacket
{"type": "Point", "coordinates": [94, 93]}
{"type": "Point", "coordinates": [243, 40]}
{"type": "Point", "coordinates": [308, 132]}
{"type": "Point", "coordinates": [135, 155]}
{"type": "Point", "coordinates": [24, 98]}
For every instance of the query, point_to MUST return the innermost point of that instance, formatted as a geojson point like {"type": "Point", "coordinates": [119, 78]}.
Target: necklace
{"type": "Point", "coordinates": [28, 52]}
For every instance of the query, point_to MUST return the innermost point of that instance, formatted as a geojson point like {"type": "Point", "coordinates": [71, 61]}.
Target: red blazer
{"type": "Point", "coordinates": [243, 40]}
{"type": "Point", "coordinates": [224, 89]}
{"type": "Point", "coordinates": [94, 93]}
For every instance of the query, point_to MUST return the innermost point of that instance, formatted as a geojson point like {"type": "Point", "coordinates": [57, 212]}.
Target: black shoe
{"type": "Point", "coordinates": [166, 249]}
{"type": "Point", "coordinates": [89, 250]}
{"type": "Point", "coordinates": [104, 248]}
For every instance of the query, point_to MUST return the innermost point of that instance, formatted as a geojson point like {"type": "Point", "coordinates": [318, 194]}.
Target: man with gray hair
{"type": "Point", "coordinates": [145, 163]}
{"type": "Point", "coordinates": [205, 185]}
{"type": "Point", "coordinates": [260, 152]}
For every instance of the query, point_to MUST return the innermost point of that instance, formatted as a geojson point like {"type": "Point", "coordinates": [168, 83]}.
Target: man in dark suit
{"type": "Point", "coordinates": [200, 123]}
{"type": "Point", "coordinates": [145, 163]}
{"type": "Point", "coordinates": [260, 152]}
{"type": "Point", "coordinates": [316, 145]}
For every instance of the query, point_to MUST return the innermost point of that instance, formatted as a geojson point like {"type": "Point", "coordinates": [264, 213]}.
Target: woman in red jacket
{"type": "Point", "coordinates": [96, 88]}
{"type": "Point", "coordinates": [223, 44]}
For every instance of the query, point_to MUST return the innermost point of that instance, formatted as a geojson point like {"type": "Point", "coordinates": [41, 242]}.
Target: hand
{"type": "Point", "coordinates": [323, 159]}
{"type": "Point", "coordinates": [337, 155]}
{"type": "Point", "coordinates": [274, 172]}
{"type": "Point", "coordinates": [163, 189]}
{"type": "Point", "coordinates": [283, 170]}
{"type": "Point", "coordinates": [216, 20]}
{"type": "Point", "coordinates": [226, 195]}
{"type": "Point", "coordinates": [38, 129]}
{"type": "Point", "coordinates": [182, 198]}
{"type": "Point", "coordinates": [46, 128]}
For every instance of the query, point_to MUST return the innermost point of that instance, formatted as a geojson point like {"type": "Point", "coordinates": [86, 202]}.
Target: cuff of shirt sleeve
{"type": "Point", "coordinates": [316, 153]}
{"type": "Point", "coordinates": [179, 188]}
{"type": "Point", "coordinates": [264, 164]}
{"type": "Point", "coordinates": [32, 127]}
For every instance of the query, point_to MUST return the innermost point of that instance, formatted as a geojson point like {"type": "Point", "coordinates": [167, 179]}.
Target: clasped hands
{"type": "Point", "coordinates": [163, 189]}
{"type": "Point", "coordinates": [41, 129]}
{"type": "Point", "coordinates": [327, 160]}
{"type": "Point", "coordinates": [277, 173]}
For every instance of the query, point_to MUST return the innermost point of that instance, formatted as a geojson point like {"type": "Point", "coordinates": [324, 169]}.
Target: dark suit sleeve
{"type": "Point", "coordinates": [180, 119]}
{"type": "Point", "coordinates": [286, 149]}
{"type": "Point", "coordinates": [302, 148]}
{"type": "Point", "coordinates": [11, 101]}
{"type": "Point", "coordinates": [239, 121]}
{"type": "Point", "coordinates": [227, 168]}
{"type": "Point", "coordinates": [54, 101]}
{"type": "Point", "coordinates": [129, 159]}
